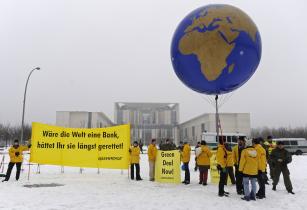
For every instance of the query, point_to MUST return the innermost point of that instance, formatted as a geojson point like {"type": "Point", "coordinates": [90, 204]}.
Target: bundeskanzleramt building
{"type": "Point", "coordinates": [191, 130]}
{"type": "Point", "coordinates": [149, 120]}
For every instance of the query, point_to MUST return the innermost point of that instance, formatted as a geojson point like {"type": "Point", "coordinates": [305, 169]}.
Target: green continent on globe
{"type": "Point", "coordinates": [212, 47]}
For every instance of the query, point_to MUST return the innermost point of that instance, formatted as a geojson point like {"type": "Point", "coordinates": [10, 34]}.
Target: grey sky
{"type": "Point", "coordinates": [94, 53]}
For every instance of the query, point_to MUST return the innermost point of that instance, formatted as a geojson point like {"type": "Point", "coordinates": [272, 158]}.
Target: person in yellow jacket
{"type": "Point", "coordinates": [262, 168]}
{"type": "Point", "coordinates": [135, 160]}
{"type": "Point", "coordinates": [221, 158]}
{"type": "Point", "coordinates": [230, 164]}
{"type": "Point", "coordinates": [236, 152]}
{"type": "Point", "coordinates": [203, 162]}
{"type": "Point", "coordinates": [185, 155]}
{"type": "Point", "coordinates": [249, 166]}
{"type": "Point", "coordinates": [16, 157]}
{"type": "Point", "coordinates": [152, 155]}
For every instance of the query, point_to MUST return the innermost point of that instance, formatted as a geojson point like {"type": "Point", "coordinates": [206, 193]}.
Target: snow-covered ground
{"type": "Point", "coordinates": [112, 190]}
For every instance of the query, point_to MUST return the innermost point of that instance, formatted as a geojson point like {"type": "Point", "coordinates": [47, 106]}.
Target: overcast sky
{"type": "Point", "coordinates": [95, 53]}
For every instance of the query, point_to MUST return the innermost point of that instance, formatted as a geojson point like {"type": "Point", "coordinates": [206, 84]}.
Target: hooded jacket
{"type": "Point", "coordinates": [17, 158]}
{"type": "Point", "coordinates": [186, 153]}
{"type": "Point", "coordinates": [249, 163]}
{"type": "Point", "coordinates": [221, 156]}
{"type": "Point", "coordinates": [203, 159]}
{"type": "Point", "coordinates": [152, 152]}
{"type": "Point", "coordinates": [134, 154]}
{"type": "Point", "coordinates": [262, 157]}
{"type": "Point", "coordinates": [229, 161]}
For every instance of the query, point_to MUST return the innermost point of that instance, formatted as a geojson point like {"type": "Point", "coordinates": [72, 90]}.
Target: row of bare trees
{"type": "Point", "coordinates": [281, 132]}
{"type": "Point", "coordinates": [8, 133]}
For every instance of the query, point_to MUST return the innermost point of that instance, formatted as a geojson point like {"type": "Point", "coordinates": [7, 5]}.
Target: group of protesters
{"type": "Point", "coordinates": [249, 158]}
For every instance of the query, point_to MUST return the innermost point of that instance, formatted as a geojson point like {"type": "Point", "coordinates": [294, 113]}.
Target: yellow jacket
{"type": "Point", "coordinates": [203, 159]}
{"type": "Point", "coordinates": [229, 162]}
{"type": "Point", "coordinates": [221, 156]}
{"type": "Point", "coordinates": [12, 152]}
{"type": "Point", "coordinates": [152, 152]}
{"type": "Point", "coordinates": [135, 154]}
{"type": "Point", "coordinates": [235, 154]}
{"type": "Point", "coordinates": [249, 162]}
{"type": "Point", "coordinates": [262, 157]}
{"type": "Point", "coordinates": [186, 153]}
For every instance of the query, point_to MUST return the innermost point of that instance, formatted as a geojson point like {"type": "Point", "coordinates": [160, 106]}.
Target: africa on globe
{"type": "Point", "coordinates": [216, 49]}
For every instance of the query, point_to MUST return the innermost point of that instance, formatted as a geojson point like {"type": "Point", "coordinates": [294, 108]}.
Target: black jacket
{"type": "Point", "coordinates": [280, 154]}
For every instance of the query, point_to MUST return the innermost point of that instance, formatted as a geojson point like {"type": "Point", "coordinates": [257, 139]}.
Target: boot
{"type": "Point", "coordinates": [252, 197]}
{"type": "Point", "coordinates": [291, 192]}
{"type": "Point", "coordinates": [246, 198]}
{"type": "Point", "coordinates": [274, 187]}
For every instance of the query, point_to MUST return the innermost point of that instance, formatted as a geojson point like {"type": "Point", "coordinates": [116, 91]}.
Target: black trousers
{"type": "Point", "coordinates": [137, 168]}
{"type": "Point", "coordinates": [186, 172]}
{"type": "Point", "coordinates": [9, 170]}
{"type": "Point", "coordinates": [261, 182]}
{"type": "Point", "coordinates": [286, 174]}
{"type": "Point", "coordinates": [239, 180]}
{"type": "Point", "coordinates": [222, 182]}
{"type": "Point", "coordinates": [231, 175]}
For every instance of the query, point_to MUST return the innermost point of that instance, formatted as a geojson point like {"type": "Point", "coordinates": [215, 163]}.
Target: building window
{"type": "Point", "coordinates": [193, 131]}
{"type": "Point", "coordinates": [203, 127]}
{"type": "Point", "coordinates": [185, 132]}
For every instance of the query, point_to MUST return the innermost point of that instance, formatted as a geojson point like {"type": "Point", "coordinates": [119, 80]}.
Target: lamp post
{"type": "Point", "coordinates": [24, 103]}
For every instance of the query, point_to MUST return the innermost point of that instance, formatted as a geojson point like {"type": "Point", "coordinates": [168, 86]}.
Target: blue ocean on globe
{"type": "Point", "coordinates": [216, 49]}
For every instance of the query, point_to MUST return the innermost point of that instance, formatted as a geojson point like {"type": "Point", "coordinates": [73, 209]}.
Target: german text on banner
{"type": "Point", "coordinates": [168, 166]}
{"type": "Point", "coordinates": [81, 147]}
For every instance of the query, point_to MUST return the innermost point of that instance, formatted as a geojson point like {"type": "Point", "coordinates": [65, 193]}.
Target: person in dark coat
{"type": "Point", "coordinates": [168, 146]}
{"type": "Point", "coordinates": [236, 152]}
{"type": "Point", "coordinates": [230, 164]}
{"type": "Point", "coordinates": [280, 158]}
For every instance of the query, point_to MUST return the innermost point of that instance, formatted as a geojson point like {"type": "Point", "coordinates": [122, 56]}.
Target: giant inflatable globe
{"type": "Point", "coordinates": [216, 49]}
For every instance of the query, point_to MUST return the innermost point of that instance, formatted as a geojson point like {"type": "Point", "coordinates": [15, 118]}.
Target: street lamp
{"type": "Point", "coordinates": [24, 103]}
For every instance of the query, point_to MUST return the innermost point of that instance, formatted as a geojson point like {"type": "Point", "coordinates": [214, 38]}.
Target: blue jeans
{"type": "Point", "coordinates": [248, 193]}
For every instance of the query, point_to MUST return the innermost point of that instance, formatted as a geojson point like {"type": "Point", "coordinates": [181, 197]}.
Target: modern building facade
{"type": "Point", "coordinates": [156, 120]}
{"type": "Point", "coordinates": [191, 130]}
{"type": "Point", "coordinates": [149, 120]}
{"type": "Point", "coordinates": [82, 119]}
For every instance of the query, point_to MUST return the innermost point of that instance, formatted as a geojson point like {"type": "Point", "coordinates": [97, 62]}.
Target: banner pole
{"type": "Point", "coordinates": [128, 172]}
{"type": "Point", "coordinates": [2, 164]}
{"type": "Point", "coordinates": [38, 169]}
{"type": "Point", "coordinates": [29, 171]}
{"type": "Point", "coordinates": [217, 118]}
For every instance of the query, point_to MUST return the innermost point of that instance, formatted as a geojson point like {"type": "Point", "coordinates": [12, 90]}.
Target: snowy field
{"type": "Point", "coordinates": [111, 189]}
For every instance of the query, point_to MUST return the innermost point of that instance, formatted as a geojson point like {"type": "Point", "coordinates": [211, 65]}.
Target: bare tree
{"type": "Point", "coordinates": [281, 132]}
{"type": "Point", "coordinates": [9, 133]}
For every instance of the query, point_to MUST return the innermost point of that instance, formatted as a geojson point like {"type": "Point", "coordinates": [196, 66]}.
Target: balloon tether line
{"type": "Point", "coordinates": [217, 117]}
